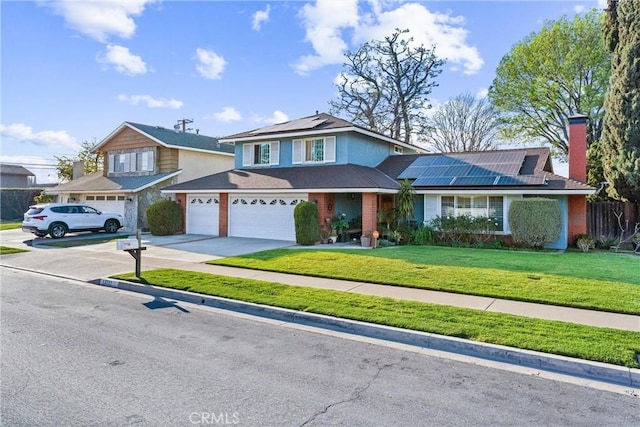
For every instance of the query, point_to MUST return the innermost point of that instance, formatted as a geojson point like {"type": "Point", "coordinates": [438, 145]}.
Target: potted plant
{"type": "Point", "coordinates": [365, 239]}
{"type": "Point", "coordinates": [340, 225]}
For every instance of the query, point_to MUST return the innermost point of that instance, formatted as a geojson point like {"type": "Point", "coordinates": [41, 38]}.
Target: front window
{"type": "Point", "coordinates": [314, 150]}
{"type": "Point", "coordinates": [261, 154]}
{"type": "Point", "coordinates": [141, 161]}
{"type": "Point", "coordinates": [474, 206]}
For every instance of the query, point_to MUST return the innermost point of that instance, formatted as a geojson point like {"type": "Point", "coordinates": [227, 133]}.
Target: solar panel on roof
{"type": "Point", "coordinates": [300, 124]}
{"type": "Point", "coordinates": [473, 180]}
{"type": "Point", "coordinates": [412, 172]}
{"type": "Point", "coordinates": [432, 181]}
{"type": "Point", "coordinates": [521, 180]}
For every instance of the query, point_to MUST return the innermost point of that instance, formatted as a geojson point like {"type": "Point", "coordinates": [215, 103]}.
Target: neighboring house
{"type": "Point", "coordinates": [13, 176]}
{"type": "Point", "coordinates": [138, 161]}
{"type": "Point", "coordinates": [344, 168]}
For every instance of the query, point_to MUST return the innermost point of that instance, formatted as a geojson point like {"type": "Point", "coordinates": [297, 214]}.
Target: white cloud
{"type": "Point", "coordinates": [260, 17]}
{"type": "Point", "coordinates": [58, 139]}
{"type": "Point", "coordinates": [123, 60]}
{"type": "Point", "coordinates": [277, 117]}
{"type": "Point", "coordinates": [482, 93]}
{"type": "Point", "coordinates": [100, 19]}
{"type": "Point", "coordinates": [210, 64]}
{"type": "Point", "coordinates": [326, 22]}
{"type": "Point", "coordinates": [579, 8]}
{"type": "Point", "coordinates": [228, 114]}
{"type": "Point", "coordinates": [601, 4]}
{"type": "Point", "coordinates": [151, 101]}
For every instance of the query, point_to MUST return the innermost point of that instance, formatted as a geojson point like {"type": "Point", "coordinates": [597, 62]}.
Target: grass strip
{"type": "Point", "coordinates": [585, 342]}
{"type": "Point", "coordinates": [10, 225]}
{"type": "Point", "coordinates": [484, 275]}
{"type": "Point", "coordinates": [5, 250]}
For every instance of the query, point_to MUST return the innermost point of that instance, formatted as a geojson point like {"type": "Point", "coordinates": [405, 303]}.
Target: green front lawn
{"type": "Point", "coordinates": [584, 342]}
{"type": "Point", "coordinates": [5, 250]}
{"type": "Point", "coordinates": [10, 225]}
{"type": "Point", "coordinates": [597, 281]}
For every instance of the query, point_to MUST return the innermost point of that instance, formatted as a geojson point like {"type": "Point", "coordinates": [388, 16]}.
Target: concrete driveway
{"type": "Point", "coordinates": [181, 247]}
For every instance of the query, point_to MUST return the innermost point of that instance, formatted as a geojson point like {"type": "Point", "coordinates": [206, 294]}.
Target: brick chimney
{"type": "Point", "coordinates": [78, 169]}
{"type": "Point", "coordinates": [578, 147]}
{"type": "Point", "coordinates": [577, 171]}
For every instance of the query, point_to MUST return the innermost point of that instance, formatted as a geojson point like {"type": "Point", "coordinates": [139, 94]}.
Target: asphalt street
{"type": "Point", "coordinates": [77, 354]}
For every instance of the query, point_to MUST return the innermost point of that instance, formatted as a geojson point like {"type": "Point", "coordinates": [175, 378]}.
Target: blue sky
{"type": "Point", "coordinates": [74, 70]}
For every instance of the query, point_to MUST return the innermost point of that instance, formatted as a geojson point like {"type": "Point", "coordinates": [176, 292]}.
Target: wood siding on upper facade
{"type": "Point", "coordinates": [167, 160]}
{"type": "Point", "coordinates": [128, 139]}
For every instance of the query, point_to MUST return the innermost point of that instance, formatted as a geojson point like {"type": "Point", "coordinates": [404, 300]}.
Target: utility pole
{"type": "Point", "coordinates": [183, 123]}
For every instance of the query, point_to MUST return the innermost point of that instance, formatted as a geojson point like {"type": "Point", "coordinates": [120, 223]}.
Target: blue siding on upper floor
{"type": "Point", "coordinates": [351, 148]}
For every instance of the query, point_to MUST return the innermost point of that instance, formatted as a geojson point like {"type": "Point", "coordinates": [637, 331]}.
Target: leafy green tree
{"type": "Point", "coordinates": [307, 223]}
{"type": "Point", "coordinates": [92, 162]}
{"type": "Point", "coordinates": [621, 132]}
{"type": "Point", "coordinates": [560, 71]}
{"type": "Point", "coordinates": [386, 85]}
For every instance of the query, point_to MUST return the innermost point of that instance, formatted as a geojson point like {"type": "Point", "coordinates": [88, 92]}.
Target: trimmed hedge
{"type": "Point", "coordinates": [535, 221]}
{"type": "Point", "coordinates": [307, 223]}
{"type": "Point", "coordinates": [165, 218]}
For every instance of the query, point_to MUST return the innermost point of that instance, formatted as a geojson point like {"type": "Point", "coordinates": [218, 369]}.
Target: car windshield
{"type": "Point", "coordinates": [34, 211]}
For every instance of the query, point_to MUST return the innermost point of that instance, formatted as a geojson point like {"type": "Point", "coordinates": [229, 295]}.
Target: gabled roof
{"type": "Point", "coordinates": [14, 170]}
{"type": "Point", "coordinates": [517, 170]}
{"type": "Point", "coordinates": [317, 124]}
{"type": "Point", "coordinates": [172, 139]}
{"type": "Point", "coordinates": [98, 183]}
{"type": "Point", "coordinates": [340, 178]}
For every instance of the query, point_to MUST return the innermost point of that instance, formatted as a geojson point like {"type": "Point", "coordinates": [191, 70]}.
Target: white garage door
{"type": "Point", "coordinates": [263, 216]}
{"type": "Point", "coordinates": [111, 204]}
{"type": "Point", "coordinates": [202, 214]}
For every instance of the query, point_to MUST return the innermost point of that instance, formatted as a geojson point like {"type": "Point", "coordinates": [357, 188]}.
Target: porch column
{"type": "Point", "coordinates": [324, 202]}
{"type": "Point", "coordinates": [223, 215]}
{"type": "Point", "coordinates": [369, 213]}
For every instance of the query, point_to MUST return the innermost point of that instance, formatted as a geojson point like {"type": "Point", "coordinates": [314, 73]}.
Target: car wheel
{"type": "Point", "coordinates": [57, 230]}
{"type": "Point", "coordinates": [111, 226]}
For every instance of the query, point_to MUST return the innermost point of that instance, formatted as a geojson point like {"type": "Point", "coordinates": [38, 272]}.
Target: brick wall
{"type": "Point", "coordinates": [223, 215]}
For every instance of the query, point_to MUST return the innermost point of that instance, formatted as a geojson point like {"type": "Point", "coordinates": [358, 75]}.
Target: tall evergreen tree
{"type": "Point", "coordinates": [621, 126]}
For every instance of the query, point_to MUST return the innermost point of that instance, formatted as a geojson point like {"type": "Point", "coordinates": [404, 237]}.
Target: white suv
{"type": "Point", "coordinates": [56, 219]}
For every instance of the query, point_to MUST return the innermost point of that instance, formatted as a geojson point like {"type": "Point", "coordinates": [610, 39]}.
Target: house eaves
{"type": "Point", "coordinates": [329, 131]}
{"type": "Point", "coordinates": [97, 183]}
{"type": "Point", "coordinates": [134, 127]}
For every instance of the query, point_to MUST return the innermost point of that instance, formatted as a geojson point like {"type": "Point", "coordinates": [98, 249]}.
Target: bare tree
{"type": "Point", "coordinates": [386, 85]}
{"type": "Point", "coordinates": [464, 123]}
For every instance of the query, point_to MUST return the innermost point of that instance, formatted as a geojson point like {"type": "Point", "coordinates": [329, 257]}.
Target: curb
{"type": "Point", "coordinates": [598, 371]}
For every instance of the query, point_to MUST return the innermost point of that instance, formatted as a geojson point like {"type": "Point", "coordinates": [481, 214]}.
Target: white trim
{"type": "Point", "coordinates": [449, 191]}
{"type": "Point", "coordinates": [325, 132]}
{"type": "Point", "coordinates": [248, 154]}
{"type": "Point", "coordinates": [284, 190]}
{"type": "Point", "coordinates": [134, 190]}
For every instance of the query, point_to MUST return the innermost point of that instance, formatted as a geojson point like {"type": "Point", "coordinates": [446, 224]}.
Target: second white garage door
{"type": "Point", "coordinates": [263, 216]}
{"type": "Point", "coordinates": [202, 214]}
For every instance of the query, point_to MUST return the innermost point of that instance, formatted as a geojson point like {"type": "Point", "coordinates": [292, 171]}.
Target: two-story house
{"type": "Point", "coordinates": [15, 176]}
{"type": "Point", "coordinates": [138, 161]}
{"type": "Point", "coordinates": [347, 169]}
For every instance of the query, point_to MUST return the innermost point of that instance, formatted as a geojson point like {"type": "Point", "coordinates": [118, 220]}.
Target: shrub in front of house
{"type": "Point", "coordinates": [307, 223]}
{"type": "Point", "coordinates": [165, 218]}
{"type": "Point", "coordinates": [535, 221]}
{"type": "Point", "coordinates": [464, 230]}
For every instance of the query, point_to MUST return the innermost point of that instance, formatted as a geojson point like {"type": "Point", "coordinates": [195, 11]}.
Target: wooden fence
{"type": "Point", "coordinates": [602, 222]}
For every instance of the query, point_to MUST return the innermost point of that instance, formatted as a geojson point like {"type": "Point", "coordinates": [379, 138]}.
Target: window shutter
{"type": "Point", "coordinates": [330, 149]}
{"type": "Point", "coordinates": [246, 154]}
{"type": "Point", "coordinates": [297, 152]}
{"type": "Point", "coordinates": [274, 153]}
